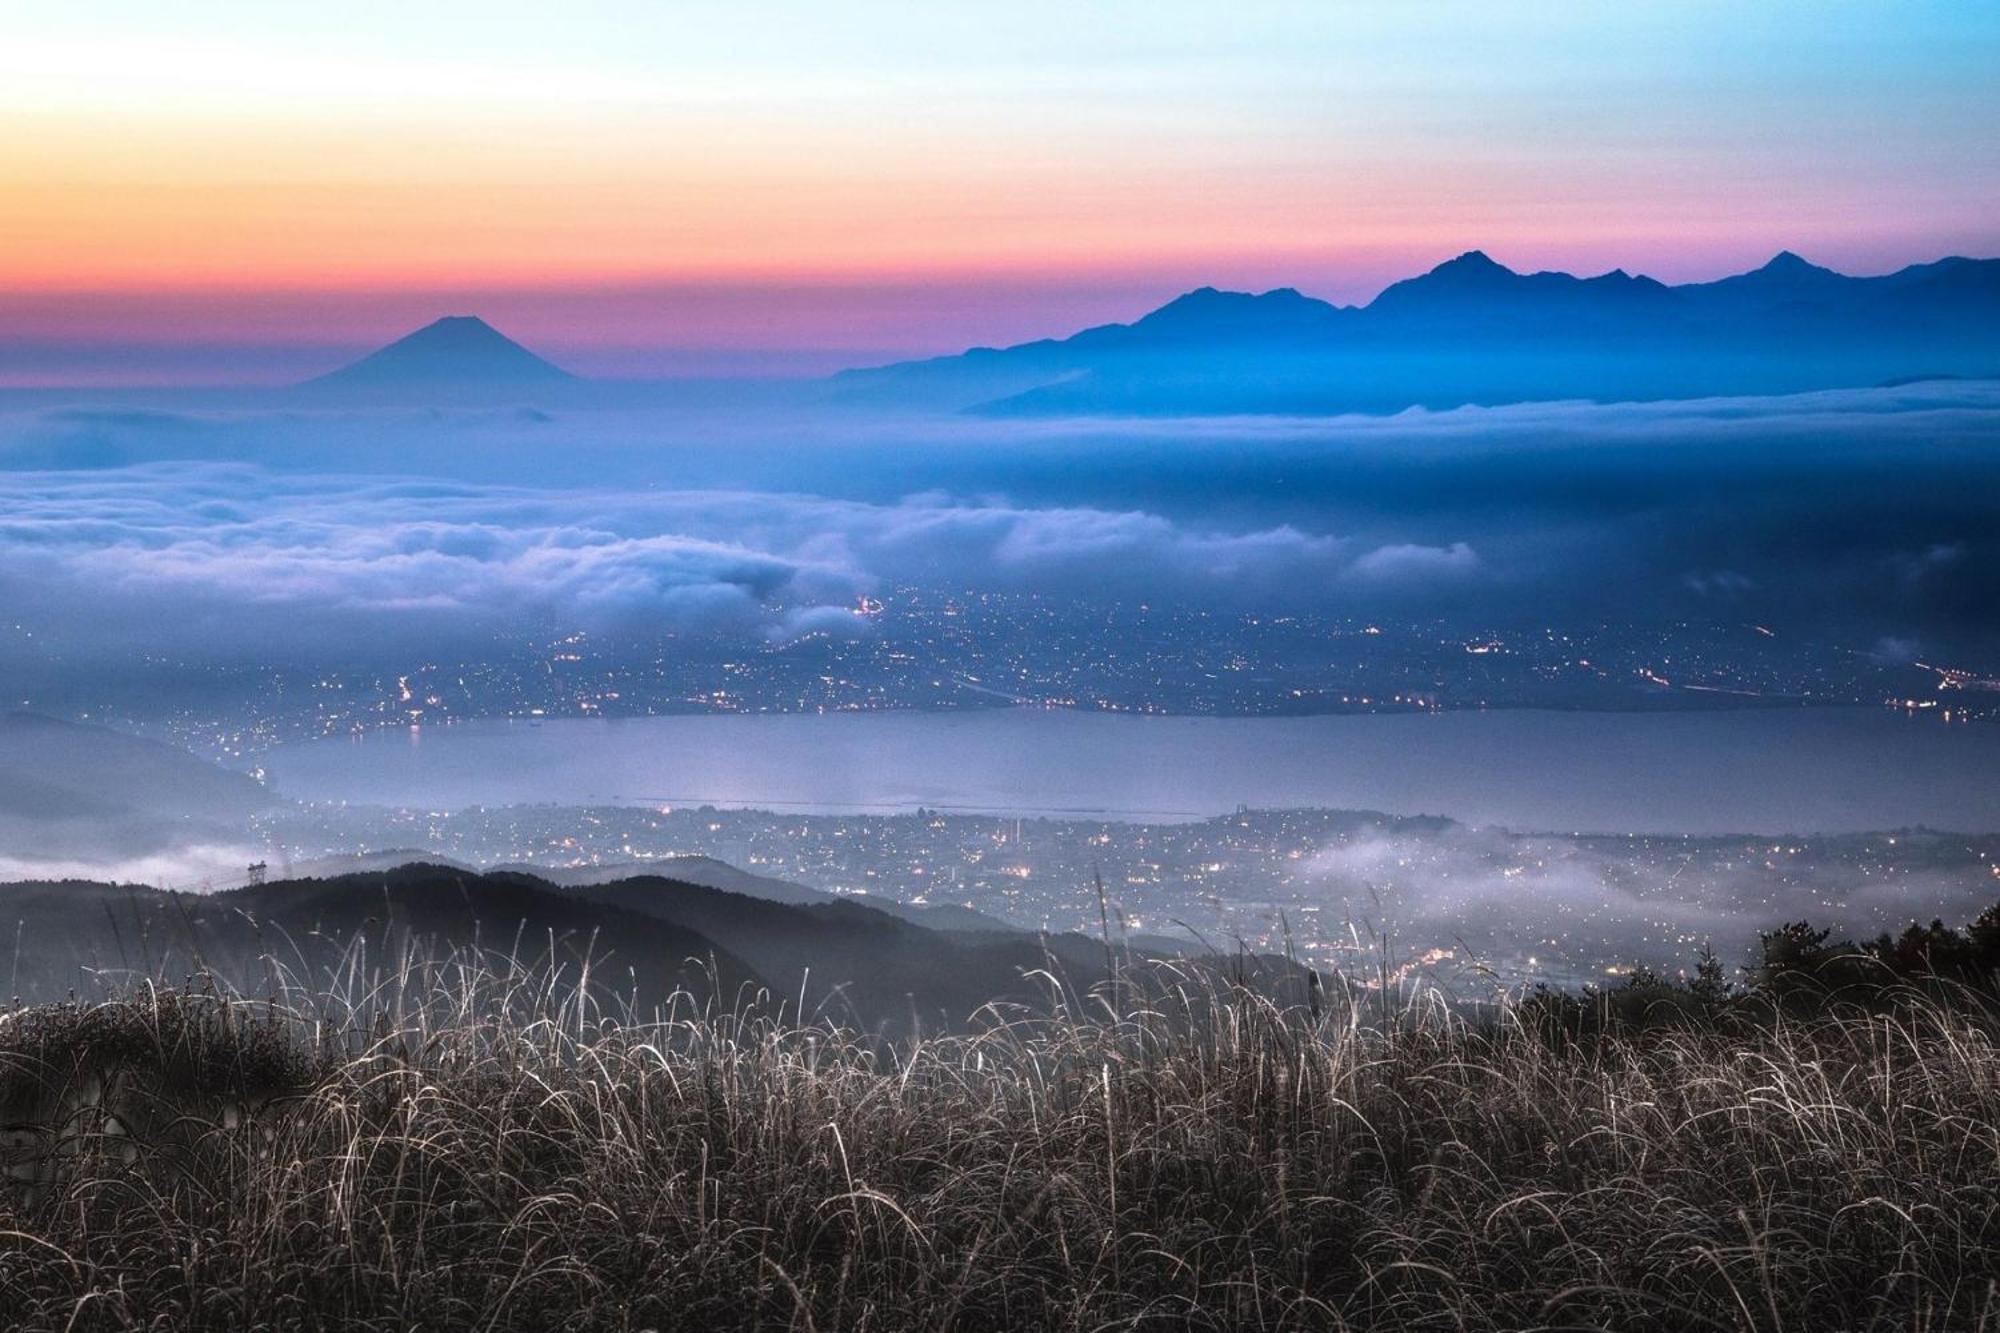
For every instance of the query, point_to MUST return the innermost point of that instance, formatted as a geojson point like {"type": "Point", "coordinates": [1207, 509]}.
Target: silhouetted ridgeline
{"type": "Point", "coordinates": [634, 942]}
{"type": "Point", "coordinates": [1473, 331]}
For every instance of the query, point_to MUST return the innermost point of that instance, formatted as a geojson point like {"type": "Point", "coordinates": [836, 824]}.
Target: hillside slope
{"type": "Point", "coordinates": [641, 939]}
{"type": "Point", "coordinates": [73, 795]}
{"type": "Point", "coordinates": [707, 871]}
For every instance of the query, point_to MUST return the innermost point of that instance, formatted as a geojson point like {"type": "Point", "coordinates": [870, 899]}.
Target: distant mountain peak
{"type": "Point", "coordinates": [1198, 299]}
{"type": "Point", "coordinates": [456, 351]}
{"type": "Point", "coordinates": [1470, 273]}
{"type": "Point", "coordinates": [459, 326]}
{"type": "Point", "coordinates": [1472, 330]}
{"type": "Point", "coordinates": [1215, 297]}
{"type": "Point", "coordinates": [1471, 276]}
{"type": "Point", "coordinates": [1207, 309]}
{"type": "Point", "coordinates": [1473, 263]}
{"type": "Point", "coordinates": [1787, 266]}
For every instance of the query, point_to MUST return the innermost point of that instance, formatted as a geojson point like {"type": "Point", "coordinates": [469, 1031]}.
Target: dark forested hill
{"type": "Point", "coordinates": [346, 933]}
{"type": "Point", "coordinates": [711, 873]}
{"type": "Point", "coordinates": [857, 961]}
{"type": "Point", "coordinates": [642, 938]}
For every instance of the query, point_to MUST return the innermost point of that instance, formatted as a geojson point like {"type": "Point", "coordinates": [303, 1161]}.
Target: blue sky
{"type": "Point", "coordinates": [901, 178]}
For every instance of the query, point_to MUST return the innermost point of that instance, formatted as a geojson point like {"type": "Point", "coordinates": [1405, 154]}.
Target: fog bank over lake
{"type": "Point", "coordinates": [1803, 770]}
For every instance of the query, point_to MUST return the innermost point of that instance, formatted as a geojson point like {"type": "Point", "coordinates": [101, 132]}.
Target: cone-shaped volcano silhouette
{"type": "Point", "coordinates": [454, 353]}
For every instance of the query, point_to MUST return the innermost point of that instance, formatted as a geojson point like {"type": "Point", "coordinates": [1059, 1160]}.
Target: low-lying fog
{"type": "Point", "coordinates": [148, 546]}
{"type": "Point", "coordinates": [267, 534]}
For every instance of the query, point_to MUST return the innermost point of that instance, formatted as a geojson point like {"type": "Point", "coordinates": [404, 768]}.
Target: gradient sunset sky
{"type": "Point", "coordinates": [204, 191]}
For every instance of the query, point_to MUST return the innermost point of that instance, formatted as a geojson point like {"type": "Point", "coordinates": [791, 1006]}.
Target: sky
{"type": "Point", "coordinates": [213, 191]}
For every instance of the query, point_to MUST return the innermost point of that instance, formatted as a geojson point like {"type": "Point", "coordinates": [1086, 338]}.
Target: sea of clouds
{"type": "Point", "coordinates": [253, 532]}
{"type": "Point", "coordinates": [194, 529]}
{"type": "Point", "coordinates": [167, 553]}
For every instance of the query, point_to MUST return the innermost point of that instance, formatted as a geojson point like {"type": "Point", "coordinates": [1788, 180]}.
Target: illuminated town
{"type": "Point", "coordinates": [1347, 890]}
{"type": "Point", "coordinates": [918, 649]}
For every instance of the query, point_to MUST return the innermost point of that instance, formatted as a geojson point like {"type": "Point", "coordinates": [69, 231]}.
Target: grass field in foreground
{"type": "Point", "coordinates": [471, 1158]}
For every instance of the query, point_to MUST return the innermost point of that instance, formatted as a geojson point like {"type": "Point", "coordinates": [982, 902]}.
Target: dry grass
{"type": "Point", "coordinates": [461, 1159]}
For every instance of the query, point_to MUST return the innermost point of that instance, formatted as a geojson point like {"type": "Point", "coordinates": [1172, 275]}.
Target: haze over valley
{"type": "Point", "coordinates": [1620, 677]}
{"type": "Point", "coordinates": [957, 668]}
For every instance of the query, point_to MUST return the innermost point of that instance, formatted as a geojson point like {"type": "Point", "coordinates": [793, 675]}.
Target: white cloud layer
{"type": "Point", "coordinates": [1862, 514]}
{"type": "Point", "coordinates": [233, 538]}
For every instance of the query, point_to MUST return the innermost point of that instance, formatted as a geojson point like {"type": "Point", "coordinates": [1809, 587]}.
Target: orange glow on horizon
{"type": "Point", "coordinates": [93, 203]}
{"type": "Point", "coordinates": [911, 179]}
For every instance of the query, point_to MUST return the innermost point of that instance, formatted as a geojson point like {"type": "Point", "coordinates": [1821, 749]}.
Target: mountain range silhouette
{"type": "Point", "coordinates": [1469, 331]}
{"type": "Point", "coordinates": [1473, 331]}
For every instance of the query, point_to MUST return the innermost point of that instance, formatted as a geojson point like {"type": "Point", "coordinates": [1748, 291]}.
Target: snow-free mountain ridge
{"type": "Point", "coordinates": [1472, 330]}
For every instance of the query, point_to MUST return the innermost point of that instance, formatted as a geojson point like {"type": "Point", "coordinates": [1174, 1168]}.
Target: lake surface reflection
{"type": "Point", "coordinates": [1805, 770]}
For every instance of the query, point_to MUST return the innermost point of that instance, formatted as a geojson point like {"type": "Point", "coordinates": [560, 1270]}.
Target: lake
{"type": "Point", "coordinates": [1803, 770]}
